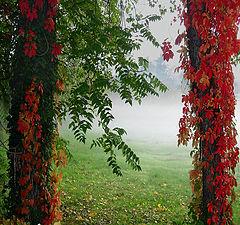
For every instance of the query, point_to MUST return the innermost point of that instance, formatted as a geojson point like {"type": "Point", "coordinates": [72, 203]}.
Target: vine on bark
{"type": "Point", "coordinates": [34, 165]}
{"type": "Point", "coordinates": [30, 8]}
{"type": "Point", "coordinates": [208, 113]}
{"type": "Point", "coordinates": [40, 159]}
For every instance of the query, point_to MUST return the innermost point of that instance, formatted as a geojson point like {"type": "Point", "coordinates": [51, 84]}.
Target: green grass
{"type": "Point", "coordinates": [157, 195]}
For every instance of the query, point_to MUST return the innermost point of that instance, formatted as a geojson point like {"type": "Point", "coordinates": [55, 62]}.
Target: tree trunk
{"type": "Point", "coordinates": [206, 149]}
{"type": "Point", "coordinates": [43, 68]}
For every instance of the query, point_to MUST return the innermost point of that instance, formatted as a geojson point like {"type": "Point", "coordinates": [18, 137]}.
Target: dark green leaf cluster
{"type": "Point", "coordinates": [8, 36]}
{"type": "Point", "coordinates": [98, 60]}
{"type": "Point", "coordinates": [111, 141]}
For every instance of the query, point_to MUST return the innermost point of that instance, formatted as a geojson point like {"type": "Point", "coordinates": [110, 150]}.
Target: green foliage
{"type": "Point", "coordinates": [3, 170]}
{"type": "Point", "coordinates": [63, 143]}
{"type": "Point", "coordinates": [3, 156]}
{"type": "Point", "coordinates": [3, 180]}
{"type": "Point", "coordinates": [8, 35]}
{"type": "Point", "coordinates": [98, 45]}
{"type": "Point", "coordinates": [110, 141]}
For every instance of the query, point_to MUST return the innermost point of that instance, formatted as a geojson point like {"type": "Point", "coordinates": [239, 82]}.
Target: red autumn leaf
{"type": "Point", "coordinates": [35, 107]}
{"type": "Point", "coordinates": [52, 12]}
{"type": "Point", "coordinates": [40, 89]}
{"type": "Point", "coordinates": [53, 2]}
{"type": "Point", "coordinates": [60, 84]}
{"type": "Point", "coordinates": [49, 25]}
{"type": "Point", "coordinates": [28, 157]}
{"type": "Point", "coordinates": [22, 181]}
{"type": "Point", "coordinates": [25, 211]}
{"type": "Point", "coordinates": [24, 193]}
{"type": "Point", "coordinates": [37, 117]}
{"type": "Point", "coordinates": [39, 133]}
{"type": "Point", "coordinates": [23, 126]}
{"type": "Point", "coordinates": [210, 207]}
{"type": "Point", "coordinates": [205, 164]}
{"type": "Point", "coordinates": [30, 49]}
{"type": "Point", "coordinates": [204, 80]}
{"type": "Point", "coordinates": [30, 99]}
{"type": "Point", "coordinates": [23, 6]}
{"type": "Point", "coordinates": [31, 14]}
{"type": "Point", "coordinates": [167, 52]}
{"type": "Point", "coordinates": [29, 188]}
{"type": "Point", "coordinates": [209, 114]}
{"type": "Point", "coordinates": [56, 49]}
{"type": "Point", "coordinates": [38, 3]}
{"type": "Point", "coordinates": [210, 187]}
{"type": "Point", "coordinates": [31, 202]}
{"type": "Point", "coordinates": [23, 107]}
{"type": "Point", "coordinates": [179, 39]}
{"type": "Point", "coordinates": [31, 35]}
{"type": "Point", "coordinates": [21, 32]}
{"type": "Point", "coordinates": [208, 178]}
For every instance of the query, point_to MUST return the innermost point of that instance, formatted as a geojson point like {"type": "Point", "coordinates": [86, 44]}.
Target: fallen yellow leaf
{"type": "Point", "coordinates": [80, 218]}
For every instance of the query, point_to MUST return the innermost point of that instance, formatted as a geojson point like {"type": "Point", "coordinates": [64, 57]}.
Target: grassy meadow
{"type": "Point", "coordinates": [159, 194]}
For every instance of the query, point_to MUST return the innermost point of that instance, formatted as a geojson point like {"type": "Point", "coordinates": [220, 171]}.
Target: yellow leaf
{"type": "Point", "coordinates": [92, 214]}
{"type": "Point", "coordinates": [80, 218]}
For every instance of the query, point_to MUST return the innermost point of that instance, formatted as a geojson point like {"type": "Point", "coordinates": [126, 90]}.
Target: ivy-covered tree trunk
{"type": "Point", "coordinates": [205, 149]}
{"type": "Point", "coordinates": [209, 107]}
{"type": "Point", "coordinates": [31, 117]}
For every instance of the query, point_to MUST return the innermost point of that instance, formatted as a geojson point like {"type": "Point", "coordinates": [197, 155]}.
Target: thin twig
{"type": "Point", "coordinates": [2, 125]}
{"type": "Point", "coordinates": [2, 144]}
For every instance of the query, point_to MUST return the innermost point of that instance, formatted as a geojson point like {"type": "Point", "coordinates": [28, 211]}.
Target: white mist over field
{"type": "Point", "coordinates": [155, 121]}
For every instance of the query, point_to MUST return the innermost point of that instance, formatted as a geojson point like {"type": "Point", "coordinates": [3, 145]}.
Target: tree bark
{"type": "Point", "coordinates": [206, 149]}
{"type": "Point", "coordinates": [43, 68]}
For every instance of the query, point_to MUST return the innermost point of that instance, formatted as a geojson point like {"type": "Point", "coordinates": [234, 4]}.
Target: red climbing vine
{"type": "Point", "coordinates": [30, 8]}
{"type": "Point", "coordinates": [40, 161]}
{"type": "Point", "coordinates": [34, 171]}
{"type": "Point", "coordinates": [208, 113]}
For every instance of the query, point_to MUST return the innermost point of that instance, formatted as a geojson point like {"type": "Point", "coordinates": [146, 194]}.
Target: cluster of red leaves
{"type": "Point", "coordinates": [34, 171]}
{"type": "Point", "coordinates": [30, 45]}
{"type": "Point", "coordinates": [30, 8]}
{"type": "Point", "coordinates": [217, 27]}
{"type": "Point", "coordinates": [56, 50]}
{"type": "Point", "coordinates": [29, 127]}
{"type": "Point", "coordinates": [167, 52]}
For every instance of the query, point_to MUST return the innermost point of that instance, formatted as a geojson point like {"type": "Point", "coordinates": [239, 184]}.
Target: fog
{"type": "Point", "coordinates": [154, 121]}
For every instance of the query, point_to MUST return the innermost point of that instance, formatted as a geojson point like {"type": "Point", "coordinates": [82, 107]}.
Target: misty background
{"type": "Point", "coordinates": [155, 121]}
